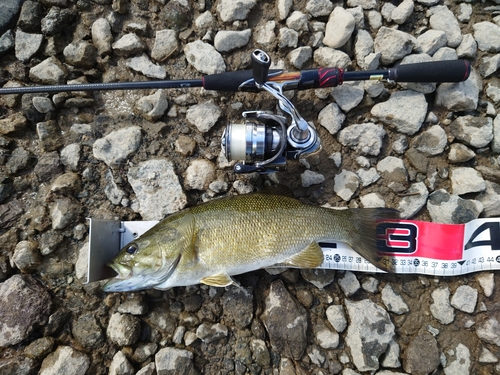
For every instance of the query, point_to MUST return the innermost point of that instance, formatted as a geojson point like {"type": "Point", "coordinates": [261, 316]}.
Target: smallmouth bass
{"type": "Point", "coordinates": [211, 242]}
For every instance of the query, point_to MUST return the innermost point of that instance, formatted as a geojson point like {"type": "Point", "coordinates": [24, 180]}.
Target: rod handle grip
{"type": "Point", "coordinates": [435, 71]}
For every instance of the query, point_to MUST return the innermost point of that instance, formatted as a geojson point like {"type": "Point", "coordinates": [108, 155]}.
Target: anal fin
{"type": "Point", "coordinates": [310, 257]}
{"type": "Point", "coordinates": [220, 280]}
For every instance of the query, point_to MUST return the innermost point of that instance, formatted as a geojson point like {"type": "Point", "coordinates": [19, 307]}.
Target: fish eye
{"type": "Point", "coordinates": [131, 249]}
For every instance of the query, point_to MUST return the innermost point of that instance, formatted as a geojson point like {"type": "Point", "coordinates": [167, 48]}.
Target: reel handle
{"type": "Point", "coordinates": [260, 64]}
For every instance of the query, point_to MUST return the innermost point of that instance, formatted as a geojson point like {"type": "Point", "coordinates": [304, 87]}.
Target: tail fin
{"type": "Point", "coordinates": [364, 239]}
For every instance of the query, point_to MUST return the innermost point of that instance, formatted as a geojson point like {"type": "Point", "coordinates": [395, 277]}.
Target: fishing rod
{"type": "Point", "coordinates": [265, 141]}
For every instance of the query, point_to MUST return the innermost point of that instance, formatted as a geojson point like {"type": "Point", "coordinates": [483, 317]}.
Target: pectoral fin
{"type": "Point", "coordinates": [186, 229]}
{"type": "Point", "coordinates": [310, 257]}
{"type": "Point", "coordinates": [221, 280]}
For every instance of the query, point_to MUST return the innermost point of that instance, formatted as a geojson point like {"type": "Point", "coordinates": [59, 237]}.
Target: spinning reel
{"type": "Point", "coordinates": [265, 141]}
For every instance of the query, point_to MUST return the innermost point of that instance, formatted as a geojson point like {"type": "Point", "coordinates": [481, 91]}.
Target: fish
{"type": "Point", "coordinates": [213, 241]}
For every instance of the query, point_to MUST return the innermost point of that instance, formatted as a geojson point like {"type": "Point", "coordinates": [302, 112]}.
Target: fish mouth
{"type": "Point", "coordinates": [130, 282]}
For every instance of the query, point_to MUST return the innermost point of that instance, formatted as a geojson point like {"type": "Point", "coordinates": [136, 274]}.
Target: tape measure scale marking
{"type": "Point", "coordinates": [419, 247]}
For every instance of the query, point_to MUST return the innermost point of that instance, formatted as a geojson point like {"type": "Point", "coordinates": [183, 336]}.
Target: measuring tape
{"type": "Point", "coordinates": [413, 247]}
{"type": "Point", "coordinates": [419, 247]}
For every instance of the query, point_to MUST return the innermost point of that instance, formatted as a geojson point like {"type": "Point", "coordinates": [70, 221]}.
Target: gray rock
{"type": "Point", "coordinates": [460, 153]}
{"type": "Point", "coordinates": [154, 106]}
{"type": "Point", "coordinates": [348, 95]}
{"type": "Point", "coordinates": [171, 361]}
{"type": "Point", "coordinates": [112, 191]}
{"type": "Point", "coordinates": [43, 105]}
{"type": "Point", "coordinates": [309, 178]}
{"type": "Point", "coordinates": [123, 329]}
{"type": "Point", "coordinates": [260, 352]}
{"type": "Point", "coordinates": [288, 38]}
{"type": "Point", "coordinates": [135, 304]}
{"type": "Point", "coordinates": [393, 169]}
{"type": "Point", "coordinates": [283, 7]}
{"type": "Point", "coordinates": [466, 180]}
{"type": "Point", "coordinates": [165, 45]}
{"type": "Point", "coordinates": [30, 17]}
{"type": "Point", "coordinates": [464, 12]}
{"type": "Point", "coordinates": [489, 65]}
{"type": "Point", "coordinates": [299, 56]}
{"type": "Point", "coordinates": [487, 35]}
{"type": "Point", "coordinates": [128, 44]}
{"type": "Point", "coordinates": [144, 65]}
{"type": "Point", "coordinates": [490, 199]}
{"type": "Point", "coordinates": [208, 332]}
{"type": "Point", "coordinates": [118, 145]}
{"type": "Point", "coordinates": [368, 176]}
{"type": "Point", "coordinates": [331, 118]}
{"type": "Point", "coordinates": [65, 360]}
{"type": "Point", "coordinates": [493, 90]}
{"type": "Point", "coordinates": [227, 40]}
{"type": "Point", "coordinates": [204, 22]}
{"type": "Point", "coordinates": [26, 256]}
{"type": "Point", "coordinates": [318, 277]}
{"type": "Point", "coordinates": [339, 28]}
{"type": "Point", "coordinates": [432, 141]}
{"type": "Point", "coordinates": [461, 363]}
{"type": "Point", "coordinates": [327, 339]}
{"type": "Point", "coordinates": [372, 200]}
{"type": "Point", "coordinates": [444, 54]}
{"type": "Point", "coordinates": [468, 47]}
{"type": "Point", "coordinates": [363, 47]}
{"type": "Point", "coordinates": [402, 12]}
{"type": "Point", "coordinates": [204, 58]}
{"type": "Point", "coordinates": [365, 4]}
{"type": "Point", "coordinates": [391, 358]}
{"type": "Point", "coordinates": [102, 38]}
{"type": "Point", "coordinates": [432, 40]}
{"type": "Point", "coordinates": [87, 331]}
{"type": "Point", "coordinates": [70, 156]}
{"type": "Point", "coordinates": [238, 306]}
{"type": "Point", "coordinates": [204, 116]}
{"type": "Point", "coordinates": [447, 208]}
{"type": "Point", "coordinates": [346, 184]}
{"type": "Point", "coordinates": [319, 8]}
{"type": "Point", "coordinates": [365, 139]}
{"type": "Point", "coordinates": [369, 334]}
{"type": "Point", "coordinates": [58, 18]}
{"type": "Point", "coordinates": [149, 369]}
{"type": "Point", "coordinates": [81, 54]}
{"type": "Point", "coordinates": [30, 310]}
{"type": "Point", "coordinates": [326, 56]}
{"type": "Point", "coordinates": [441, 308]}
{"type": "Point", "coordinates": [406, 110]}
{"type": "Point", "coordinates": [285, 321]}
{"type": "Point", "coordinates": [157, 189]}
{"type": "Point", "coordinates": [465, 299]}
{"type": "Point", "coordinates": [393, 44]}
{"type": "Point", "coordinates": [7, 42]}
{"type": "Point", "coordinates": [489, 331]}
{"type": "Point", "coordinates": [120, 365]}
{"type": "Point", "coordinates": [486, 356]}
{"type": "Point", "coordinates": [443, 19]}
{"type": "Point", "coordinates": [264, 34]}
{"type": "Point", "coordinates": [26, 45]}
{"type": "Point", "coordinates": [199, 174]}
{"type": "Point", "coordinates": [297, 21]}
{"type": "Point", "coordinates": [394, 302]}
{"type": "Point", "coordinates": [177, 15]}
{"type": "Point", "coordinates": [48, 166]}
{"type": "Point", "coordinates": [422, 355]}
{"type": "Point", "coordinates": [64, 212]}
{"type": "Point", "coordinates": [474, 131]}
{"type": "Point", "coordinates": [412, 203]}
{"type": "Point", "coordinates": [487, 282]}
{"type": "Point", "coordinates": [336, 317]}
{"type": "Point", "coordinates": [49, 135]}
{"type": "Point", "coordinates": [230, 10]}
{"type": "Point", "coordinates": [461, 96]}
{"type": "Point", "coordinates": [49, 72]}
{"type": "Point", "coordinates": [349, 284]}
{"type": "Point", "coordinates": [10, 9]}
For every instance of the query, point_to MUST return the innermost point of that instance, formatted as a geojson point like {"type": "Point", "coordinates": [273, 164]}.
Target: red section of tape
{"type": "Point", "coordinates": [422, 239]}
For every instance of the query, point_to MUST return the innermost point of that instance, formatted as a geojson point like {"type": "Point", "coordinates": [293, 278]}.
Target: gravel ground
{"type": "Point", "coordinates": [429, 150]}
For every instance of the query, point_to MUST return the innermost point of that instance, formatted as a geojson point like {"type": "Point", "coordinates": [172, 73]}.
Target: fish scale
{"type": "Point", "coordinates": [211, 242]}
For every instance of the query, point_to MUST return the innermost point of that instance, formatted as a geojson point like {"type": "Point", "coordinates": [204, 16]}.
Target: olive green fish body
{"type": "Point", "coordinates": [210, 242]}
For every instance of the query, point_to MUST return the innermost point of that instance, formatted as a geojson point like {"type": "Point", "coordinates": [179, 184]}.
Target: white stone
{"type": "Point", "coordinates": [464, 299]}
{"type": "Point", "coordinates": [372, 200]}
{"type": "Point", "coordinates": [120, 365]}
{"type": "Point", "coordinates": [297, 21]}
{"type": "Point", "coordinates": [432, 141]}
{"type": "Point", "coordinates": [327, 339]}
{"type": "Point", "coordinates": [443, 19]}
{"type": "Point", "coordinates": [461, 363]}
{"type": "Point", "coordinates": [326, 56]}
{"type": "Point", "coordinates": [336, 317]}
{"type": "Point", "coordinates": [165, 45]}
{"type": "Point", "coordinates": [441, 308]}
{"type": "Point", "coordinates": [204, 57]}
{"type": "Point", "coordinates": [233, 10]}
{"type": "Point", "coordinates": [346, 184]}
{"type": "Point", "coordinates": [365, 138]}
{"type": "Point", "coordinates": [227, 40]}
{"type": "Point", "coordinates": [204, 116]}
{"type": "Point", "coordinates": [349, 284]}
{"type": "Point", "coordinates": [349, 94]}
{"type": "Point", "coordinates": [70, 156]}
{"type": "Point", "coordinates": [487, 35]}
{"type": "Point", "coordinates": [393, 44]}
{"type": "Point", "coordinates": [402, 12]}
{"type": "Point", "coordinates": [288, 38]}
{"type": "Point", "coordinates": [264, 34]}
{"type": "Point", "coordinates": [118, 145]}
{"type": "Point", "coordinates": [144, 65]}
{"type": "Point", "coordinates": [128, 44]}
{"type": "Point", "coordinates": [368, 176]}
{"type": "Point", "coordinates": [283, 7]}
{"type": "Point", "coordinates": [65, 360]}
{"type": "Point", "coordinates": [394, 302]}
{"type": "Point", "coordinates": [416, 199]}
{"type": "Point", "coordinates": [199, 174]}
{"type": "Point", "coordinates": [319, 8]}
{"type": "Point", "coordinates": [154, 106]}
{"type": "Point", "coordinates": [102, 38]}
{"type": "Point", "coordinates": [299, 56]}
{"type": "Point", "coordinates": [432, 40]}
{"type": "Point", "coordinates": [309, 178]}
{"type": "Point", "coordinates": [27, 45]}
{"type": "Point", "coordinates": [466, 180]}
{"type": "Point", "coordinates": [487, 282]}
{"type": "Point", "coordinates": [468, 47]}
{"type": "Point", "coordinates": [339, 28]}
